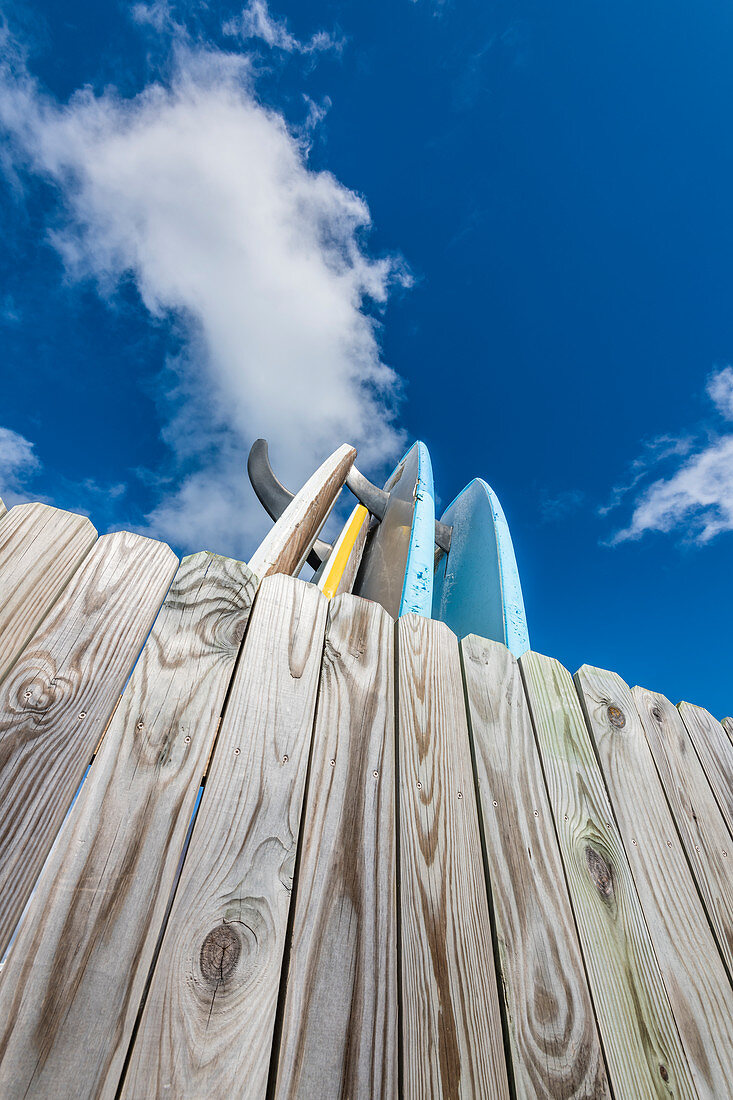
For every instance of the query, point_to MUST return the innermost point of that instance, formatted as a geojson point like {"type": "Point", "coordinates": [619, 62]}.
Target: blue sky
{"type": "Point", "coordinates": [502, 228]}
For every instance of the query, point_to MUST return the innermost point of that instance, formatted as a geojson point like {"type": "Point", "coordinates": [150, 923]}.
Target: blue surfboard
{"type": "Point", "coordinates": [397, 566]}
{"type": "Point", "coordinates": [477, 589]}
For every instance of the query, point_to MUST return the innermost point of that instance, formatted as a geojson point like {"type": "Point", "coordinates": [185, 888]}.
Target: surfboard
{"type": "Point", "coordinates": [397, 566]}
{"type": "Point", "coordinates": [477, 588]}
{"type": "Point", "coordinates": [340, 568]}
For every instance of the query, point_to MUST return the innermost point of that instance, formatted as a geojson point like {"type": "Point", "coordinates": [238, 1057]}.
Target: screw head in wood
{"type": "Point", "coordinates": [236, 752]}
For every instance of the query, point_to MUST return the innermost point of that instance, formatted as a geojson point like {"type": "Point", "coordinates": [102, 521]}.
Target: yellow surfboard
{"type": "Point", "coordinates": [345, 557]}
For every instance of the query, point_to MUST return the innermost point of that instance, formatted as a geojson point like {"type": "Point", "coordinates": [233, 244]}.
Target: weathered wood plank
{"type": "Point", "coordinates": [66, 1013]}
{"type": "Point", "coordinates": [287, 545]}
{"type": "Point", "coordinates": [3, 508]}
{"type": "Point", "coordinates": [695, 810]}
{"type": "Point", "coordinates": [56, 700]}
{"type": "Point", "coordinates": [208, 1021]}
{"type": "Point", "coordinates": [339, 1031]}
{"type": "Point", "coordinates": [692, 969]}
{"type": "Point", "coordinates": [640, 1041]}
{"type": "Point", "coordinates": [728, 727]}
{"type": "Point", "coordinates": [451, 1026]}
{"type": "Point", "coordinates": [715, 751]}
{"type": "Point", "coordinates": [555, 1047]}
{"type": "Point", "coordinates": [40, 550]}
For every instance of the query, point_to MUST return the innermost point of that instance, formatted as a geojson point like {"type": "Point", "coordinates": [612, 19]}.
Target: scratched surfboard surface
{"type": "Point", "coordinates": [477, 588]}
{"type": "Point", "coordinates": [397, 567]}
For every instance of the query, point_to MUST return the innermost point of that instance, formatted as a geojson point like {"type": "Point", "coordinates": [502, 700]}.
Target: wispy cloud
{"type": "Point", "coordinates": [205, 199]}
{"type": "Point", "coordinates": [18, 465]}
{"type": "Point", "coordinates": [695, 498]}
{"type": "Point", "coordinates": [256, 22]}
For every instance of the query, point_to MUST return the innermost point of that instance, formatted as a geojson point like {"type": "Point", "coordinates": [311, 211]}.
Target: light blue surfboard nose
{"type": "Point", "coordinates": [477, 588]}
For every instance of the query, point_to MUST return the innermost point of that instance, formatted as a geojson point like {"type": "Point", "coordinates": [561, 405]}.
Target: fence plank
{"type": "Point", "coordinates": [728, 727]}
{"type": "Point", "coordinates": [40, 550]}
{"type": "Point", "coordinates": [68, 1015]}
{"type": "Point", "coordinates": [58, 697]}
{"type": "Point", "coordinates": [451, 1027]}
{"type": "Point", "coordinates": [339, 1032]}
{"type": "Point", "coordinates": [692, 969]}
{"type": "Point", "coordinates": [643, 1051]}
{"type": "Point", "coordinates": [555, 1048]}
{"type": "Point", "coordinates": [207, 1025]}
{"type": "Point", "coordinates": [3, 508]}
{"type": "Point", "coordinates": [715, 751]}
{"type": "Point", "coordinates": [287, 545]}
{"type": "Point", "coordinates": [695, 810]}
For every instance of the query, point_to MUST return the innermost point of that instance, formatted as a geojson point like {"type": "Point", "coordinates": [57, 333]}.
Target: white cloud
{"type": "Point", "coordinates": [255, 21]}
{"type": "Point", "coordinates": [720, 391]}
{"type": "Point", "coordinates": [697, 496]}
{"type": "Point", "coordinates": [18, 463]}
{"type": "Point", "coordinates": [204, 197]}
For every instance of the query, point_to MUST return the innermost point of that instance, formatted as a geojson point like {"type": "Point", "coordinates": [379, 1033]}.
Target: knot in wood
{"type": "Point", "coordinates": [656, 714]}
{"type": "Point", "coordinates": [220, 953]}
{"type": "Point", "coordinates": [601, 872]}
{"type": "Point", "coordinates": [616, 717]}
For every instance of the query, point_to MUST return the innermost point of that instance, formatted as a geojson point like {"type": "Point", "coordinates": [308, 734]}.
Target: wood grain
{"type": "Point", "coordinates": [57, 699]}
{"type": "Point", "coordinates": [287, 545]}
{"type": "Point", "coordinates": [339, 1032]}
{"type": "Point", "coordinates": [208, 1021]}
{"type": "Point", "coordinates": [692, 969]}
{"type": "Point", "coordinates": [715, 751]}
{"type": "Point", "coordinates": [555, 1048]}
{"type": "Point", "coordinates": [701, 827]}
{"type": "Point", "coordinates": [40, 550]}
{"type": "Point", "coordinates": [640, 1041]}
{"type": "Point", "coordinates": [3, 508]}
{"type": "Point", "coordinates": [451, 1026]}
{"type": "Point", "coordinates": [728, 727]}
{"type": "Point", "coordinates": [76, 973]}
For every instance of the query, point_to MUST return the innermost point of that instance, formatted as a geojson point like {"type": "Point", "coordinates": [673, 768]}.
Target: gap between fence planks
{"type": "Point", "coordinates": [555, 1048]}
{"type": "Point", "coordinates": [287, 545]}
{"type": "Point", "coordinates": [40, 550]}
{"type": "Point", "coordinates": [451, 1024]}
{"type": "Point", "coordinates": [67, 1017]}
{"type": "Point", "coordinates": [715, 751]}
{"type": "Point", "coordinates": [695, 810]}
{"type": "Point", "coordinates": [692, 969]}
{"type": "Point", "coordinates": [339, 1028]}
{"type": "Point", "coordinates": [643, 1050]}
{"type": "Point", "coordinates": [56, 701]}
{"type": "Point", "coordinates": [207, 1025]}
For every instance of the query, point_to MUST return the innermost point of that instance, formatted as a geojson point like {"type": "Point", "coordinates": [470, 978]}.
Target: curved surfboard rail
{"type": "Point", "coordinates": [477, 587]}
{"type": "Point", "coordinates": [397, 566]}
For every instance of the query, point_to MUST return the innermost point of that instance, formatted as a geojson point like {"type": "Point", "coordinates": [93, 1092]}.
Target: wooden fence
{"type": "Point", "coordinates": [319, 853]}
